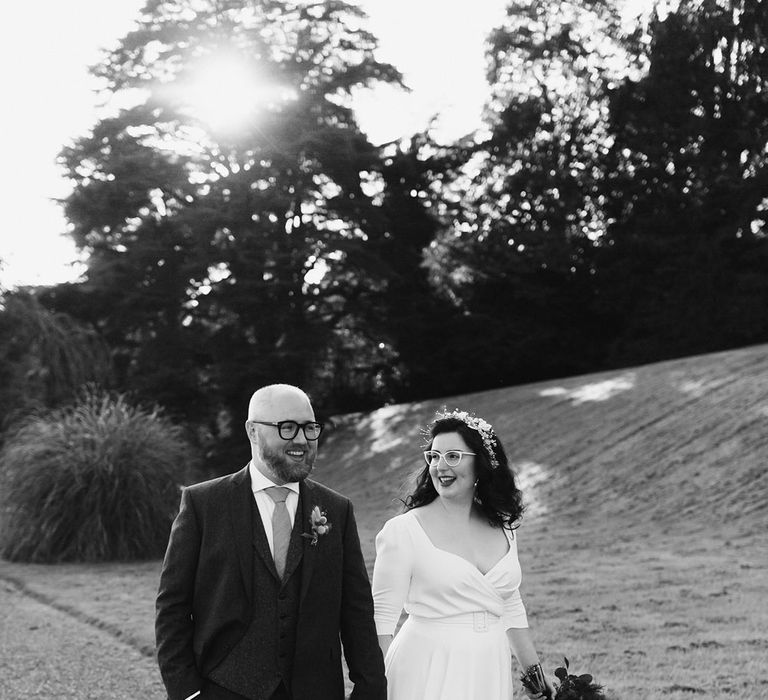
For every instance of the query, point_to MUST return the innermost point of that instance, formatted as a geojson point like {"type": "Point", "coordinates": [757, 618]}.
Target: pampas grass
{"type": "Point", "coordinates": [95, 481]}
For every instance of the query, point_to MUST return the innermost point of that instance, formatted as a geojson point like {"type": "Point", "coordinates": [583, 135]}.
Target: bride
{"type": "Point", "coordinates": [450, 560]}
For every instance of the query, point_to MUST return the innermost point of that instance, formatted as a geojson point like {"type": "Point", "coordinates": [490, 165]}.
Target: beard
{"type": "Point", "coordinates": [287, 469]}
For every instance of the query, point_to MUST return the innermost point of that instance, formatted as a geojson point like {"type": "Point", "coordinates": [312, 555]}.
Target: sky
{"type": "Point", "coordinates": [49, 99]}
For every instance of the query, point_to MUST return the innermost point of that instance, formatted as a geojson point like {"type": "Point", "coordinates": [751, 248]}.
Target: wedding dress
{"type": "Point", "coordinates": [453, 645]}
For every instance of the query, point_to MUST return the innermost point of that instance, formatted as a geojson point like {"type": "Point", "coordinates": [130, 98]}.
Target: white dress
{"type": "Point", "coordinates": [453, 645]}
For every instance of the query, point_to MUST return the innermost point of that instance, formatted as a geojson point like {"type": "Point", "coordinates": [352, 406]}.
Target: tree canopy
{"type": "Point", "coordinates": [226, 255]}
{"type": "Point", "coordinates": [241, 228]}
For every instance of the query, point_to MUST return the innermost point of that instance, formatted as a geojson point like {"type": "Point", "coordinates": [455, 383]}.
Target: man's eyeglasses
{"type": "Point", "coordinates": [452, 458]}
{"type": "Point", "coordinates": [289, 429]}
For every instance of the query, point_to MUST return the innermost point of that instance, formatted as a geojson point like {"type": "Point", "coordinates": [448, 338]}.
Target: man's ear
{"type": "Point", "coordinates": [250, 430]}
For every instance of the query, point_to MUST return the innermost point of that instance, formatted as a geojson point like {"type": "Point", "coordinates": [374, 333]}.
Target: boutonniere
{"type": "Point", "coordinates": [318, 523]}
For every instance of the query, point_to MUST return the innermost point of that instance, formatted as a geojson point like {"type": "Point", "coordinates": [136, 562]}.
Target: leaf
{"type": "Point", "coordinates": [585, 678]}
{"type": "Point", "coordinates": [561, 673]}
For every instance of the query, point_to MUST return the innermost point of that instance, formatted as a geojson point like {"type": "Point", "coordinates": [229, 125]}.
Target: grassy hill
{"type": "Point", "coordinates": [644, 545]}
{"type": "Point", "coordinates": [674, 447]}
{"type": "Point", "coordinates": [644, 542]}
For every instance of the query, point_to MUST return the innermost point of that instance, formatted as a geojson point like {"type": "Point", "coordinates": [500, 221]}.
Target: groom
{"type": "Point", "coordinates": [263, 578]}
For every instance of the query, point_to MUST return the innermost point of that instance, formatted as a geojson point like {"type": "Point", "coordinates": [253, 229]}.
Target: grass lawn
{"type": "Point", "coordinates": [666, 618]}
{"type": "Point", "coordinates": [644, 552]}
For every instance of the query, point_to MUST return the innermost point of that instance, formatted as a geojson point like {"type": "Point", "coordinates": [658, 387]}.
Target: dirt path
{"type": "Point", "coordinates": [46, 653]}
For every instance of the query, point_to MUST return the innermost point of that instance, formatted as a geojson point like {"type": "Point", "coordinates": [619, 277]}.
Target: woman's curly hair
{"type": "Point", "coordinates": [496, 495]}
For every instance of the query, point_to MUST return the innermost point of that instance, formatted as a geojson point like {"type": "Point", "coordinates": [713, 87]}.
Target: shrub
{"type": "Point", "coordinates": [95, 481]}
{"type": "Point", "coordinates": [45, 357]}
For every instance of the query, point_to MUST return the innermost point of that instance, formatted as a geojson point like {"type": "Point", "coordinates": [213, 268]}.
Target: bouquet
{"type": "Point", "coordinates": [571, 687]}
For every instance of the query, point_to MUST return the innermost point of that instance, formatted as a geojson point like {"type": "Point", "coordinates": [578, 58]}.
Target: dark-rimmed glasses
{"type": "Point", "coordinates": [452, 458]}
{"type": "Point", "coordinates": [289, 429]}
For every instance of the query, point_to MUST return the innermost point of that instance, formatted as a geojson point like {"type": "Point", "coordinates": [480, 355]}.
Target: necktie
{"type": "Point", "coordinates": [281, 526]}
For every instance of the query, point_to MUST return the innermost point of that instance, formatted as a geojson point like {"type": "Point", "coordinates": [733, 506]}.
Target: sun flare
{"type": "Point", "coordinates": [227, 92]}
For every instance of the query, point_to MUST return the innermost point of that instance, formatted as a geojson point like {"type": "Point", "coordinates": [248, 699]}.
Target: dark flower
{"type": "Point", "coordinates": [576, 687]}
{"type": "Point", "coordinates": [570, 688]}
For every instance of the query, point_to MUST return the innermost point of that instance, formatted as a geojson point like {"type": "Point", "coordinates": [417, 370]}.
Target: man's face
{"type": "Point", "coordinates": [285, 460]}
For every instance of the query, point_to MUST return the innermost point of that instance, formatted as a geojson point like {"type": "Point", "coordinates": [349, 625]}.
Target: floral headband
{"type": "Point", "coordinates": [483, 427]}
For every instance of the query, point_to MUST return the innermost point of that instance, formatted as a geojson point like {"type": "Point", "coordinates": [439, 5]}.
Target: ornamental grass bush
{"type": "Point", "coordinates": [95, 481]}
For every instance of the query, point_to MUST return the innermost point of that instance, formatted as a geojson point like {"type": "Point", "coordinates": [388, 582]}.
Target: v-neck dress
{"type": "Point", "coordinates": [453, 645]}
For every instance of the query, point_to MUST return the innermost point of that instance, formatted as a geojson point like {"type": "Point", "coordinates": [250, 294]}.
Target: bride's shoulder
{"type": "Point", "coordinates": [399, 524]}
{"type": "Point", "coordinates": [404, 519]}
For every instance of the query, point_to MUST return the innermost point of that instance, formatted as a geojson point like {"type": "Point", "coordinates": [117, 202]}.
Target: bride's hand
{"type": "Point", "coordinates": [541, 696]}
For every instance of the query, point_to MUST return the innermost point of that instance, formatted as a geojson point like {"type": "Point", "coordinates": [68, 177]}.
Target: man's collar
{"type": "Point", "coordinates": [259, 482]}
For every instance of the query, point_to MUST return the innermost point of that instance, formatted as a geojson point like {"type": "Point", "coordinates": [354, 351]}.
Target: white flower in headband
{"type": "Point", "coordinates": [483, 427]}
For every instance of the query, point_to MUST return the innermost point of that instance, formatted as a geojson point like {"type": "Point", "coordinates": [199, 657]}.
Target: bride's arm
{"type": "Point", "coordinates": [520, 638]}
{"type": "Point", "coordinates": [521, 643]}
{"type": "Point", "coordinates": [384, 641]}
{"type": "Point", "coordinates": [522, 646]}
{"type": "Point", "coordinates": [391, 580]}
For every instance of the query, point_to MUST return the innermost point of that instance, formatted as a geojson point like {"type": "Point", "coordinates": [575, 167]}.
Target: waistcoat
{"type": "Point", "coordinates": [264, 655]}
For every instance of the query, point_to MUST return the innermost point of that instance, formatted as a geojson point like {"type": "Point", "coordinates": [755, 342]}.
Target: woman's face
{"type": "Point", "coordinates": [453, 482]}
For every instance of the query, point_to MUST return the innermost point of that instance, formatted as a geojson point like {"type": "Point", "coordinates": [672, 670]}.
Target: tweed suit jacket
{"type": "Point", "coordinates": [206, 599]}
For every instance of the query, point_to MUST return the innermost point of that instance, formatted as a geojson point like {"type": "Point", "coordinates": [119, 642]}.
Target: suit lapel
{"type": "Point", "coordinates": [249, 535]}
{"type": "Point", "coordinates": [259, 540]}
{"type": "Point", "coordinates": [240, 509]}
{"type": "Point", "coordinates": [296, 545]}
{"type": "Point", "coordinates": [306, 505]}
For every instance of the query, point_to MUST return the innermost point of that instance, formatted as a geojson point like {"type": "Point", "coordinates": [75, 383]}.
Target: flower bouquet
{"type": "Point", "coordinates": [571, 687]}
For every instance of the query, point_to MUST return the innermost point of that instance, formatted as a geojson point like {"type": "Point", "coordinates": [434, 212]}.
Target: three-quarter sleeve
{"type": "Point", "coordinates": [391, 575]}
{"type": "Point", "coordinates": [514, 611]}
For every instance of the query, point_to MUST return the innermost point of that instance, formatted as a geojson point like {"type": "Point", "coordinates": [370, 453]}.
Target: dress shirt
{"type": "Point", "coordinates": [266, 505]}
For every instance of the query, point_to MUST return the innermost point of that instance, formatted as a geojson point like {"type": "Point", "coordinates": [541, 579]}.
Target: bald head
{"type": "Point", "coordinates": [282, 460]}
{"type": "Point", "coordinates": [280, 402]}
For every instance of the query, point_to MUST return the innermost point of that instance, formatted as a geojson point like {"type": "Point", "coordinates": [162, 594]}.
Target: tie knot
{"type": "Point", "coordinates": [278, 493]}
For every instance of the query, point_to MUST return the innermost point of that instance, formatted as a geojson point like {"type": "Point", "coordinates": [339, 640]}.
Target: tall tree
{"type": "Point", "coordinates": [685, 259]}
{"type": "Point", "coordinates": [224, 212]}
{"type": "Point", "coordinates": [519, 258]}
{"type": "Point", "coordinates": [420, 324]}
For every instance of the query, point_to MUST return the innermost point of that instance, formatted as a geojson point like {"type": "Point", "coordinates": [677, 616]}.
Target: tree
{"type": "Point", "coordinates": [223, 256]}
{"type": "Point", "coordinates": [684, 260]}
{"type": "Point", "coordinates": [45, 357]}
{"type": "Point", "coordinates": [519, 257]}
{"type": "Point", "coordinates": [415, 318]}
